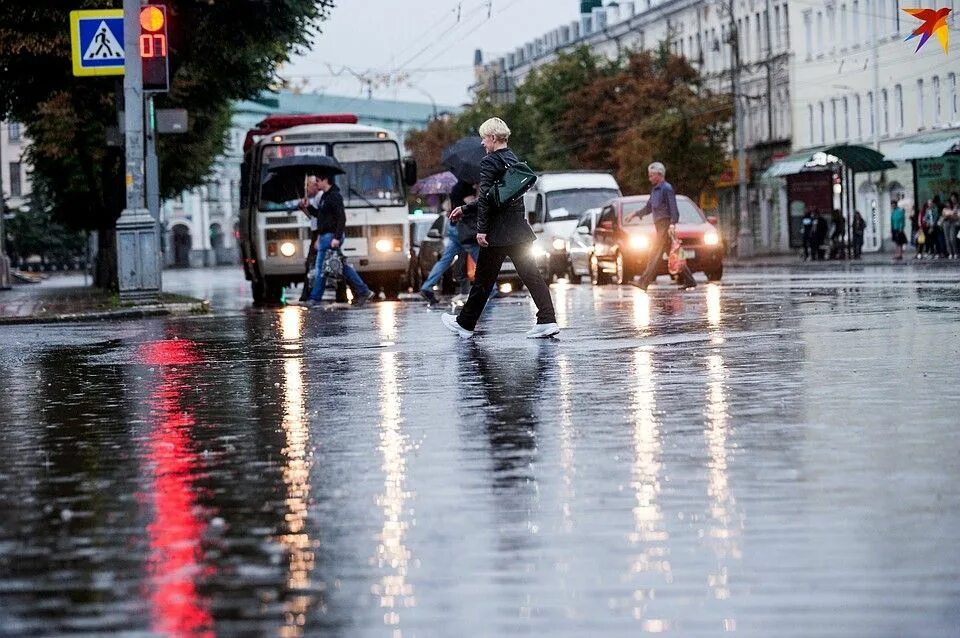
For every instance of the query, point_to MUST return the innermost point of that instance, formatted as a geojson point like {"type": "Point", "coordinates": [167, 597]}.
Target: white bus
{"type": "Point", "coordinates": [275, 238]}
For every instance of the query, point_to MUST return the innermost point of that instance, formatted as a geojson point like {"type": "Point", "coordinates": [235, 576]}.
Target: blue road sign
{"type": "Point", "coordinates": [96, 41]}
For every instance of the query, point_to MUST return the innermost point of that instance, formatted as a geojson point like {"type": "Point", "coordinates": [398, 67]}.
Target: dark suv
{"type": "Point", "coordinates": [620, 250]}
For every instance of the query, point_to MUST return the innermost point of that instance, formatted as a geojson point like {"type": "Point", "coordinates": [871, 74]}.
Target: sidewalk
{"type": "Point", "coordinates": [868, 259]}
{"type": "Point", "coordinates": [66, 298]}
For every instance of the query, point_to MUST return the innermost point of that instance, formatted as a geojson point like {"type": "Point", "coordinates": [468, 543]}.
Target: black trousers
{"type": "Point", "coordinates": [662, 245]}
{"type": "Point", "coordinates": [488, 268]}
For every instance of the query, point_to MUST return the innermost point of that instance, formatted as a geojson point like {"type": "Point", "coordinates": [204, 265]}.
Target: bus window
{"type": "Point", "coordinates": [372, 173]}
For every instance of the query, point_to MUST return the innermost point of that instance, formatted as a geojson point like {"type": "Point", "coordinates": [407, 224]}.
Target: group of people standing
{"type": "Point", "coordinates": [935, 228]}
{"type": "Point", "coordinates": [816, 226]}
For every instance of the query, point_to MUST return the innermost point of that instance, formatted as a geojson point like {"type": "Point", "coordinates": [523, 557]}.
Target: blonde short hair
{"type": "Point", "coordinates": [497, 128]}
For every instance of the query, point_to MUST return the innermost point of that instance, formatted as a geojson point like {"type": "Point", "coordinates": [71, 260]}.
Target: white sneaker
{"type": "Point", "coordinates": [543, 330]}
{"type": "Point", "coordinates": [450, 321]}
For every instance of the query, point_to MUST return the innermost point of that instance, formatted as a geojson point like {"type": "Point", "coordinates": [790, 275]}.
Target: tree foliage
{"type": "Point", "coordinates": [586, 112]}
{"type": "Point", "coordinates": [219, 51]}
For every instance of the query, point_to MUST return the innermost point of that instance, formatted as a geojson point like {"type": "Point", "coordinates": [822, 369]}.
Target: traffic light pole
{"type": "Point", "coordinates": [138, 245]}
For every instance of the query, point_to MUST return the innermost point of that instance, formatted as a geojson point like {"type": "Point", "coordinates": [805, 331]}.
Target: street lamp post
{"type": "Point", "coordinates": [5, 282]}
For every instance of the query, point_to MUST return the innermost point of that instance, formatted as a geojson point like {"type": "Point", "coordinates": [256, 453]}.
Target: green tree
{"type": "Point", "coordinates": [219, 51]}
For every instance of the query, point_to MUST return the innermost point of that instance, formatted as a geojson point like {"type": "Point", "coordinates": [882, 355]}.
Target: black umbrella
{"type": "Point", "coordinates": [463, 159]}
{"type": "Point", "coordinates": [320, 164]}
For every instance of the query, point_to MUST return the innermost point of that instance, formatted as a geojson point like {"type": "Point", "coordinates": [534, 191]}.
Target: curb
{"type": "Point", "coordinates": [137, 312]}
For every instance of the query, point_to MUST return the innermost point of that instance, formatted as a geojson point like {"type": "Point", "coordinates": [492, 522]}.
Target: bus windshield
{"type": "Point", "coordinates": [372, 173]}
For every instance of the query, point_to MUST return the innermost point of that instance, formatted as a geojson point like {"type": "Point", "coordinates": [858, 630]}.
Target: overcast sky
{"type": "Point", "coordinates": [422, 38]}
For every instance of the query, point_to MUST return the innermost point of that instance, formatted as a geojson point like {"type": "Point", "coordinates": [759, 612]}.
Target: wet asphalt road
{"type": "Point", "coordinates": [777, 455]}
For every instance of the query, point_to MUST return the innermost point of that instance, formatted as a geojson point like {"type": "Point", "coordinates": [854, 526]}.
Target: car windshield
{"type": "Point", "coordinates": [570, 204]}
{"type": "Point", "coordinates": [689, 214]}
{"type": "Point", "coordinates": [372, 173]}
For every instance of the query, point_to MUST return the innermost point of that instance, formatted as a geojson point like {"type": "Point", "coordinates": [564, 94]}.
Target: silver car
{"type": "Point", "coordinates": [580, 246]}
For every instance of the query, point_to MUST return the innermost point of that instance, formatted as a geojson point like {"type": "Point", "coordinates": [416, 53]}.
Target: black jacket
{"type": "Point", "coordinates": [507, 226]}
{"type": "Point", "coordinates": [331, 217]}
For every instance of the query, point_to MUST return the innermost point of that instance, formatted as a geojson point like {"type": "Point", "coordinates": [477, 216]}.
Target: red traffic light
{"type": "Point", "coordinates": [152, 19]}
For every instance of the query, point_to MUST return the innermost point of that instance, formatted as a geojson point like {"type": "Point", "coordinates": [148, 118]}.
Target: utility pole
{"type": "Point", "coordinates": [745, 235]}
{"type": "Point", "coordinates": [138, 245]}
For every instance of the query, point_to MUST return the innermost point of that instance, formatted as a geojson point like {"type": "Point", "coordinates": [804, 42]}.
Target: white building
{"type": "Point", "coordinates": [201, 223]}
{"type": "Point", "coordinates": [14, 171]}
{"type": "Point", "coordinates": [808, 84]}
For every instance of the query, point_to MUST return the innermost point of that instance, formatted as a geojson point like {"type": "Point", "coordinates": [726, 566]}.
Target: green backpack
{"type": "Point", "coordinates": [517, 180]}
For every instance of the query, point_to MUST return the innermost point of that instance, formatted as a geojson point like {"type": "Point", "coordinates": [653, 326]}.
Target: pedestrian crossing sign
{"type": "Point", "coordinates": [96, 41]}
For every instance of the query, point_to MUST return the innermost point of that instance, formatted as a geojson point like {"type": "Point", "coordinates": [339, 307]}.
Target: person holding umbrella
{"type": "Point", "coordinates": [501, 233]}
{"type": "Point", "coordinates": [331, 225]}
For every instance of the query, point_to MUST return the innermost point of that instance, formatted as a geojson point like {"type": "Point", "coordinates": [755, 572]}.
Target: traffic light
{"type": "Point", "coordinates": [154, 52]}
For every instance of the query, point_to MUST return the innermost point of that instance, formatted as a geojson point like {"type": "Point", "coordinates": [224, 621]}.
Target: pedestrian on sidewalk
{"type": "Point", "coordinates": [500, 233]}
{"type": "Point", "coordinates": [859, 225]}
{"type": "Point", "coordinates": [898, 223]}
{"type": "Point", "coordinates": [950, 216]}
{"type": "Point", "coordinates": [836, 237]}
{"type": "Point", "coordinates": [331, 226]}
{"type": "Point", "coordinates": [806, 225]}
{"type": "Point", "coordinates": [662, 203]}
{"type": "Point", "coordinates": [820, 231]}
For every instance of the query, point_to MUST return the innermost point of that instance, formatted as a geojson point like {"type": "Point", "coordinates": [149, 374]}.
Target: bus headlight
{"type": "Point", "coordinates": [384, 245]}
{"type": "Point", "coordinates": [288, 249]}
{"type": "Point", "coordinates": [639, 242]}
{"type": "Point", "coordinates": [559, 244]}
{"type": "Point", "coordinates": [711, 239]}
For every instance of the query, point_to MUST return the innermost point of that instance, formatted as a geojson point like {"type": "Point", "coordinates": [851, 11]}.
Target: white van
{"type": "Point", "coordinates": [553, 206]}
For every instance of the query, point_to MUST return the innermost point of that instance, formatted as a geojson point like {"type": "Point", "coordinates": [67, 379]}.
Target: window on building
{"type": "Point", "coordinates": [898, 105]}
{"type": "Point", "coordinates": [855, 22]}
{"type": "Point", "coordinates": [937, 106]}
{"type": "Point", "coordinates": [786, 26]}
{"type": "Point", "coordinates": [846, 119]}
{"type": "Point", "coordinates": [776, 27]}
{"type": "Point", "coordinates": [823, 123]}
{"type": "Point", "coordinates": [745, 39]}
{"type": "Point", "coordinates": [13, 131]}
{"type": "Point", "coordinates": [921, 119]}
{"type": "Point", "coordinates": [810, 123]}
{"type": "Point", "coordinates": [820, 33]}
{"type": "Point", "coordinates": [857, 105]}
{"type": "Point", "coordinates": [833, 118]}
{"type": "Point", "coordinates": [807, 33]}
{"type": "Point", "coordinates": [895, 6]}
{"type": "Point", "coordinates": [832, 26]}
{"type": "Point", "coordinates": [885, 112]}
{"type": "Point", "coordinates": [843, 22]}
{"type": "Point", "coordinates": [870, 118]}
{"type": "Point", "coordinates": [16, 186]}
{"type": "Point", "coordinates": [759, 37]}
{"type": "Point", "coordinates": [953, 106]}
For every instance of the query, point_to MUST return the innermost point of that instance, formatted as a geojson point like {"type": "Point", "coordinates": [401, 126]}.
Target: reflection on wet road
{"type": "Point", "coordinates": [775, 455]}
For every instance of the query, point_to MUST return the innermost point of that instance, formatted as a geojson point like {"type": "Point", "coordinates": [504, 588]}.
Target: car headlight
{"type": "Point", "coordinates": [711, 239]}
{"type": "Point", "coordinates": [506, 288]}
{"type": "Point", "coordinates": [288, 249]}
{"type": "Point", "coordinates": [537, 251]}
{"type": "Point", "coordinates": [384, 245]}
{"type": "Point", "coordinates": [639, 242]}
{"type": "Point", "coordinates": [559, 244]}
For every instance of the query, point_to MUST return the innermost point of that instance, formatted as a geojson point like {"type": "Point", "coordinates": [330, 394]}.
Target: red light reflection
{"type": "Point", "coordinates": [176, 556]}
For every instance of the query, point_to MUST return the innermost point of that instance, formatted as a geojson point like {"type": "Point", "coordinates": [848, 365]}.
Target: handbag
{"type": "Point", "coordinates": [517, 180]}
{"type": "Point", "coordinates": [921, 237]}
{"type": "Point", "coordinates": [333, 265]}
{"type": "Point", "coordinates": [675, 261]}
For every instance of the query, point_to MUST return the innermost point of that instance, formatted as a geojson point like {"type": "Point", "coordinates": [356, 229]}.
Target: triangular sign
{"type": "Point", "coordinates": [104, 45]}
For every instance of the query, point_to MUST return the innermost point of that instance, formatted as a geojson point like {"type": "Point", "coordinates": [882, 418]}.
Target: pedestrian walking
{"type": "Point", "coordinates": [455, 243]}
{"type": "Point", "coordinates": [950, 216]}
{"type": "Point", "coordinates": [858, 226]}
{"type": "Point", "coordinates": [662, 204]}
{"type": "Point", "coordinates": [820, 230]}
{"type": "Point", "coordinates": [806, 233]}
{"type": "Point", "coordinates": [501, 233]}
{"type": "Point", "coordinates": [310, 204]}
{"type": "Point", "coordinates": [331, 226]}
{"type": "Point", "coordinates": [836, 237]}
{"type": "Point", "coordinates": [898, 224]}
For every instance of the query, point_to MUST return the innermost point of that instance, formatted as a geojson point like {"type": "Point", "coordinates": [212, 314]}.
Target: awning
{"type": "Point", "coordinates": [791, 164]}
{"type": "Point", "coordinates": [860, 159]}
{"type": "Point", "coordinates": [926, 145]}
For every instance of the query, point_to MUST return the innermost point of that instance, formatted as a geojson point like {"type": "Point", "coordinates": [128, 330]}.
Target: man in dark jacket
{"type": "Point", "coordinates": [501, 233]}
{"type": "Point", "coordinates": [331, 225]}
{"type": "Point", "coordinates": [663, 205]}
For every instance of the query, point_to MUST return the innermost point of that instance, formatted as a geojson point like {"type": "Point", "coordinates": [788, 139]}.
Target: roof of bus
{"type": "Point", "coordinates": [332, 129]}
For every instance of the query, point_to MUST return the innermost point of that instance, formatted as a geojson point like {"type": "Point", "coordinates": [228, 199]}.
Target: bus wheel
{"type": "Point", "coordinates": [259, 290]}
{"type": "Point", "coordinates": [267, 292]}
{"type": "Point", "coordinates": [341, 291]}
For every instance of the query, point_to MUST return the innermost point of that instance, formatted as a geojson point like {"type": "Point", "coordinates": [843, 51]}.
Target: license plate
{"type": "Point", "coordinates": [686, 253]}
{"type": "Point", "coordinates": [310, 149]}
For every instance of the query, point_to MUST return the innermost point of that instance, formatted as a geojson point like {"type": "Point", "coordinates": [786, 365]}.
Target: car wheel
{"type": "Point", "coordinates": [597, 276]}
{"type": "Point", "coordinates": [714, 274]}
{"type": "Point", "coordinates": [572, 276]}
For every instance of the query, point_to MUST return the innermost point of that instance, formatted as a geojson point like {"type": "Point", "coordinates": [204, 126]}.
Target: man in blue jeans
{"type": "Point", "coordinates": [331, 225]}
{"type": "Point", "coordinates": [451, 248]}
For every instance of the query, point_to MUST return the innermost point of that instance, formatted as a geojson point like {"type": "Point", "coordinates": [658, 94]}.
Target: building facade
{"type": "Point", "coordinates": [14, 171]}
{"type": "Point", "coordinates": [810, 77]}
{"type": "Point", "coordinates": [201, 224]}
